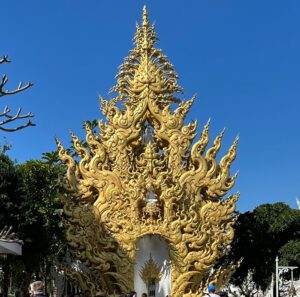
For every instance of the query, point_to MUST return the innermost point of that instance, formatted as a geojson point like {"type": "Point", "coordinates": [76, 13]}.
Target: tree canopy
{"type": "Point", "coordinates": [269, 230]}
{"type": "Point", "coordinates": [30, 203]}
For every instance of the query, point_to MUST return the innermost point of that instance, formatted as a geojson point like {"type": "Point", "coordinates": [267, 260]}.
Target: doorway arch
{"type": "Point", "coordinates": [152, 250]}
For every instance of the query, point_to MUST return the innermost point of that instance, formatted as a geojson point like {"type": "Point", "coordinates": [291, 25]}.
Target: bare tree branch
{"type": "Point", "coordinates": [5, 116]}
{"type": "Point", "coordinates": [29, 123]}
{"type": "Point", "coordinates": [19, 89]}
{"type": "Point", "coordinates": [5, 60]}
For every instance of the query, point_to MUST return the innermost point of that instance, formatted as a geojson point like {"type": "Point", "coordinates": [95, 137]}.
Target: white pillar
{"type": "Point", "coordinates": [277, 277]}
{"type": "Point", "coordinates": [272, 286]}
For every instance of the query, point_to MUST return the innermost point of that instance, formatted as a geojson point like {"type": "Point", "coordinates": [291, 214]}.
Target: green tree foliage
{"type": "Point", "coordinates": [12, 192]}
{"type": "Point", "coordinates": [30, 203]}
{"type": "Point", "coordinates": [42, 213]}
{"type": "Point", "coordinates": [260, 236]}
{"type": "Point", "coordinates": [289, 254]}
{"type": "Point", "coordinates": [4, 145]}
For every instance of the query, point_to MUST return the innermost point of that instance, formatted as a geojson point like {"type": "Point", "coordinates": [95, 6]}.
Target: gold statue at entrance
{"type": "Point", "coordinates": [141, 175]}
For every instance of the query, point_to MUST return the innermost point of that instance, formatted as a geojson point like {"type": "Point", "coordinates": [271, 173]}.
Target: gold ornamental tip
{"type": "Point", "coordinates": [145, 23]}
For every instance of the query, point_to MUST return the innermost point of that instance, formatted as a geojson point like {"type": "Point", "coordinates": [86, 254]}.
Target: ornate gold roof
{"type": "Point", "coordinates": [144, 175]}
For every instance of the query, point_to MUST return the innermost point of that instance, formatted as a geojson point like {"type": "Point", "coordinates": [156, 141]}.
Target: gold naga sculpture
{"type": "Point", "coordinates": [145, 148]}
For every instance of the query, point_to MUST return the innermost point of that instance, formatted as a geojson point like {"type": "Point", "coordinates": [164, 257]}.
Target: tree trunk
{"type": "Point", "coordinates": [26, 281]}
{"type": "Point", "coordinates": [6, 274]}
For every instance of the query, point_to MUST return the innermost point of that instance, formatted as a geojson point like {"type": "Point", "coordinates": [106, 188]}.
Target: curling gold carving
{"type": "Point", "coordinates": [82, 279]}
{"type": "Point", "coordinates": [110, 180]}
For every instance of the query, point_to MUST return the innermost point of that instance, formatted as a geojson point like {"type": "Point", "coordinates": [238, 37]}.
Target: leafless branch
{"type": "Point", "coordinates": [19, 89]}
{"type": "Point", "coordinates": [8, 118]}
{"type": "Point", "coordinates": [5, 116]}
{"type": "Point", "coordinates": [5, 60]}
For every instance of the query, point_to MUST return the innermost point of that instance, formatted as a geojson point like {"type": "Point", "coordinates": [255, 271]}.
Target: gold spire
{"type": "Point", "coordinates": [145, 29]}
{"type": "Point", "coordinates": [146, 68]}
{"type": "Point", "coordinates": [114, 171]}
{"type": "Point", "coordinates": [145, 23]}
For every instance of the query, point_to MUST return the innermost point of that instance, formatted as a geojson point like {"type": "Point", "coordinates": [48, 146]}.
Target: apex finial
{"type": "Point", "coordinates": [145, 17]}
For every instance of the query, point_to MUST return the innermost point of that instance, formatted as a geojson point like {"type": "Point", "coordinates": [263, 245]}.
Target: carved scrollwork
{"type": "Point", "coordinates": [114, 172]}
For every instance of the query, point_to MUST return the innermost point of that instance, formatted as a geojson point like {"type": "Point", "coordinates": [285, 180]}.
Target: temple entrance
{"type": "Point", "coordinates": [152, 274]}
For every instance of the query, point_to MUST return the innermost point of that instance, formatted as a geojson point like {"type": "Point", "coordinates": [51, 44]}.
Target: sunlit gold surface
{"type": "Point", "coordinates": [109, 211]}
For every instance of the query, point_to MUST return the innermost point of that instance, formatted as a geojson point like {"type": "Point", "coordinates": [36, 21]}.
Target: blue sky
{"type": "Point", "coordinates": [241, 58]}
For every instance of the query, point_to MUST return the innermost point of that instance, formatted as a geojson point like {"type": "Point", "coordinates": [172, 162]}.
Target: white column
{"type": "Point", "coordinates": [272, 286]}
{"type": "Point", "coordinates": [277, 277]}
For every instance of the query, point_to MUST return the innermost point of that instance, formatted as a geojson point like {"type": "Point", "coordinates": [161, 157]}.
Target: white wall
{"type": "Point", "coordinates": [159, 250]}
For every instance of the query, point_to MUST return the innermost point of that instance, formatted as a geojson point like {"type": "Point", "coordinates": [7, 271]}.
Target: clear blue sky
{"type": "Point", "coordinates": [242, 58]}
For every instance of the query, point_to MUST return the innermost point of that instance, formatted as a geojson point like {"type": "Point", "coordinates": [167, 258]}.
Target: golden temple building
{"type": "Point", "coordinates": [146, 210]}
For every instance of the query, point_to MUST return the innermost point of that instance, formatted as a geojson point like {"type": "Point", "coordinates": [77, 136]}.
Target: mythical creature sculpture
{"type": "Point", "coordinates": [141, 175]}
